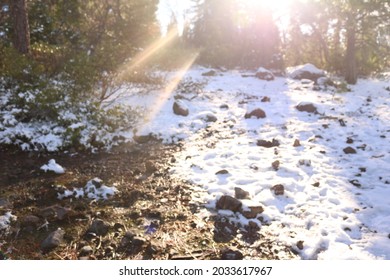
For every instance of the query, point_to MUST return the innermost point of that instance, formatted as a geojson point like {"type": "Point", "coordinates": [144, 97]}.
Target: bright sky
{"type": "Point", "coordinates": [180, 8]}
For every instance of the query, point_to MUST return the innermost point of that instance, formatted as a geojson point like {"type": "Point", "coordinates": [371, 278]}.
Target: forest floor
{"type": "Point", "coordinates": [151, 216]}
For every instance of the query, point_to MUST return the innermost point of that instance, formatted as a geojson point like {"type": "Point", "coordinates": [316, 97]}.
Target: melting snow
{"type": "Point", "coordinates": [334, 204]}
{"type": "Point", "coordinates": [53, 166]}
{"type": "Point", "coordinates": [94, 189]}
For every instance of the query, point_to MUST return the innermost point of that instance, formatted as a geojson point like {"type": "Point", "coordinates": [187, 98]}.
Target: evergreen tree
{"type": "Point", "coordinates": [21, 34]}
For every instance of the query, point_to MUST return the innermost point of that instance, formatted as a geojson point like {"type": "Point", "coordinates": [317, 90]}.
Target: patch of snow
{"type": "Point", "coordinates": [53, 166]}
{"type": "Point", "coordinates": [320, 207]}
{"type": "Point", "coordinates": [94, 189]}
{"type": "Point", "coordinates": [5, 222]}
{"type": "Point", "coordinates": [295, 71]}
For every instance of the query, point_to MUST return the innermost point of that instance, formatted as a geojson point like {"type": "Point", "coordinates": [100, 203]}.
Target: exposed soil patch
{"type": "Point", "coordinates": [151, 216]}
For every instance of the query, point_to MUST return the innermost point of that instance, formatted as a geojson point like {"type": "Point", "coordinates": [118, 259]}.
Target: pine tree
{"type": "Point", "coordinates": [21, 33]}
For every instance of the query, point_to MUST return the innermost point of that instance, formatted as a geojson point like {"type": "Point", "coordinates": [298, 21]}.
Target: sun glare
{"type": "Point", "coordinates": [276, 5]}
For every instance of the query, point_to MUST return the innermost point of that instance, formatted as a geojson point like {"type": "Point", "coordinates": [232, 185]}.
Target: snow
{"type": "Point", "coordinates": [5, 222]}
{"type": "Point", "coordinates": [53, 166]}
{"type": "Point", "coordinates": [295, 71]}
{"type": "Point", "coordinates": [94, 189]}
{"type": "Point", "coordinates": [320, 206]}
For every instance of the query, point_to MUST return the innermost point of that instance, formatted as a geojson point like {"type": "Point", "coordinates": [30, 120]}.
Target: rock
{"type": "Point", "coordinates": [53, 240]}
{"type": "Point", "coordinates": [126, 240]}
{"type": "Point", "coordinates": [268, 144]}
{"type": "Point", "coordinates": [306, 71]}
{"type": "Point", "coordinates": [30, 221]}
{"type": "Point", "coordinates": [208, 117]}
{"type": "Point", "coordinates": [265, 99]}
{"type": "Point", "coordinates": [241, 194]}
{"type": "Point", "coordinates": [275, 165]}
{"type": "Point", "coordinates": [131, 243]}
{"type": "Point", "coordinates": [307, 107]}
{"type": "Point", "coordinates": [180, 109]}
{"type": "Point", "coordinates": [99, 227]}
{"type": "Point", "coordinates": [356, 183]}
{"type": "Point", "coordinates": [142, 139]}
{"type": "Point", "coordinates": [210, 73]}
{"type": "Point", "coordinates": [138, 242]}
{"type": "Point", "coordinates": [349, 150]}
{"type": "Point", "coordinates": [264, 74]}
{"type": "Point", "coordinates": [253, 212]}
{"type": "Point", "coordinates": [300, 245]}
{"type": "Point", "coordinates": [224, 106]}
{"type": "Point", "coordinates": [55, 212]}
{"type": "Point", "coordinates": [316, 184]}
{"type": "Point", "coordinates": [278, 189]}
{"type": "Point", "coordinates": [85, 251]}
{"type": "Point", "coordinates": [230, 254]}
{"type": "Point", "coordinates": [297, 143]}
{"type": "Point", "coordinates": [227, 202]}
{"type": "Point", "coordinates": [258, 113]}
{"type": "Point", "coordinates": [222, 172]}
{"type": "Point", "coordinates": [349, 140]}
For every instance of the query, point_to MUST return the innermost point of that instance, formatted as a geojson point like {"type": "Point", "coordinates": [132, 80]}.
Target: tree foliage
{"type": "Point", "coordinates": [234, 33]}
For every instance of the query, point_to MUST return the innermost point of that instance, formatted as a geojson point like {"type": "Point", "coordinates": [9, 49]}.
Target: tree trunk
{"type": "Point", "coordinates": [21, 39]}
{"type": "Point", "coordinates": [351, 71]}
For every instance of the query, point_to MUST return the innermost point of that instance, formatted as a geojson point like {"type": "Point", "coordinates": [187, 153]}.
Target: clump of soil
{"type": "Point", "coordinates": [151, 216]}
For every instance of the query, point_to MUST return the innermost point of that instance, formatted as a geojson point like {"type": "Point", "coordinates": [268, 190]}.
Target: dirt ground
{"type": "Point", "coordinates": [151, 216]}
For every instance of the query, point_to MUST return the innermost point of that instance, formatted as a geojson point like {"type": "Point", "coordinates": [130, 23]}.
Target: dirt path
{"type": "Point", "coordinates": [151, 216]}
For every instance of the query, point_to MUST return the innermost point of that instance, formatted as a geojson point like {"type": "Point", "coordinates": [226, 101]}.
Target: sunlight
{"type": "Point", "coordinates": [279, 8]}
{"type": "Point", "coordinates": [276, 5]}
{"type": "Point", "coordinates": [171, 85]}
{"type": "Point", "coordinates": [147, 54]}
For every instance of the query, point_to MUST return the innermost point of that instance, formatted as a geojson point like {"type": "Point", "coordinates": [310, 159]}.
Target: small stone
{"type": "Point", "coordinates": [316, 184]}
{"type": "Point", "coordinates": [210, 73]}
{"type": "Point", "coordinates": [142, 139]}
{"type": "Point", "coordinates": [138, 241]}
{"type": "Point", "coordinates": [99, 227]}
{"type": "Point", "coordinates": [264, 74]}
{"type": "Point", "coordinates": [53, 240]}
{"type": "Point", "coordinates": [275, 165]}
{"type": "Point", "coordinates": [222, 172]}
{"type": "Point", "coordinates": [224, 106]}
{"type": "Point", "coordinates": [227, 202]}
{"type": "Point", "coordinates": [209, 117]}
{"type": "Point", "coordinates": [230, 254]}
{"type": "Point", "coordinates": [55, 212]}
{"type": "Point", "coordinates": [241, 194]}
{"type": "Point", "coordinates": [342, 122]}
{"type": "Point", "coordinates": [85, 251]}
{"type": "Point", "coordinates": [300, 245]}
{"type": "Point", "coordinates": [297, 143]}
{"type": "Point", "coordinates": [268, 144]}
{"type": "Point", "coordinates": [349, 140]}
{"type": "Point", "coordinates": [306, 107]}
{"type": "Point", "coordinates": [356, 183]}
{"type": "Point", "coordinates": [265, 99]}
{"type": "Point", "coordinates": [349, 150]}
{"type": "Point", "coordinates": [30, 221]}
{"type": "Point", "coordinates": [257, 113]}
{"type": "Point", "coordinates": [253, 212]}
{"type": "Point", "coordinates": [278, 189]}
{"type": "Point", "coordinates": [179, 108]}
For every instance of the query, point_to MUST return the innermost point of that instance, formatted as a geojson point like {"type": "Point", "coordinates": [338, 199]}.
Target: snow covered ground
{"type": "Point", "coordinates": [333, 203]}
